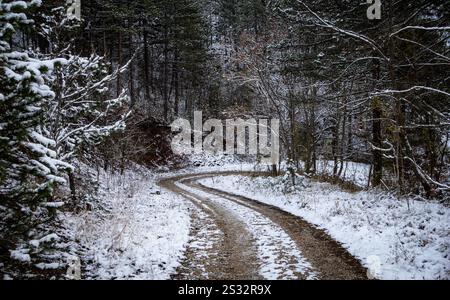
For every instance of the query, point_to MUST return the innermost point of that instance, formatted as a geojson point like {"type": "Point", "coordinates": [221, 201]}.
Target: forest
{"type": "Point", "coordinates": [87, 103]}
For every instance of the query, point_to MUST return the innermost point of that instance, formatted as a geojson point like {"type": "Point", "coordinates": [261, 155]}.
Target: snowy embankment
{"type": "Point", "coordinates": [142, 233]}
{"type": "Point", "coordinates": [395, 239]}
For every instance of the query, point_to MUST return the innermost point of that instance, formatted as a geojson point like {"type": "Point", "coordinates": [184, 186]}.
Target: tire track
{"type": "Point", "coordinates": [327, 258]}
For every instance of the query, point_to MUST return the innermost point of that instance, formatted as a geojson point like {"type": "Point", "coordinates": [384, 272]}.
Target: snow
{"type": "Point", "coordinates": [53, 204]}
{"type": "Point", "coordinates": [39, 137]}
{"type": "Point", "coordinates": [394, 239]}
{"type": "Point", "coordinates": [38, 148]}
{"type": "Point", "coordinates": [273, 243]}
{"type": "Point", "coordinates": [50, 238]}
{"type": "Point", "coordinates": [143, 231]}
{"type": "Point", "coordinates": [21, 4]}
{"type": "Point", "coordinates": [21, 255]}
{"type": "Point", "coordinates": [50, 266]}
{"type": "Point", "coordinates": [357, 173]}
{"type": "Point", "coordinates": [202, 244]}
{"type": "Point", "coordinates": [143, 235]}
{"type": "Point", "coordinates": [46, 239]}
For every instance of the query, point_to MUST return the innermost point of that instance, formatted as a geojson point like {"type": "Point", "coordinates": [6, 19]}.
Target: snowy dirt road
{"type": "Point", "coordinates": [233, 237]}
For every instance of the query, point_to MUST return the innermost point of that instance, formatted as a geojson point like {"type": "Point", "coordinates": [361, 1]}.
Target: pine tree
{"type": "Point", "coordinates": [29, 168]}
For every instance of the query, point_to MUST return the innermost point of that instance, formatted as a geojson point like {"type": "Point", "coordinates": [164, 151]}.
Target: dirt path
{"type": "Point", "coordinates": [228, 250]}
{"type": "Point", "coordinates": [302, 252]}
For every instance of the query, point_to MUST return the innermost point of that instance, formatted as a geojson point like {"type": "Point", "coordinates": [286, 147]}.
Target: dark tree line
{"type": "Point", "coordinates": [169, 40]}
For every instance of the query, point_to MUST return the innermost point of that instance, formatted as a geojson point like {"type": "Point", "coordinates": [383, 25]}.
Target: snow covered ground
{"type": "Point", "coordinates": [356, 173]}
{"type": "Point", "coordinates": [137, 230]}
{"type": "Point", "coordinates": [144, 232]}
{"type": "Point", "coordinates": [141, 235]}
{"type": "Point", "coordinates": [395, 239]}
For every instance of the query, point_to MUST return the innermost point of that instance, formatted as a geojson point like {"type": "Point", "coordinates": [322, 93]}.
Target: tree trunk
{"type": "Point", "coordinates": [344, 132]}
{"type": "Point", "coordinates": [166, 72]}
{"type": "Point", "coordinates": [377, 176]}
{"type": "Point", "coordinates": [131, 84]}
{"type": "Point", "coordinates": [377, 113]}
{"type": "Point", "coordinates": [119, 62]}
{"type": "Point", "coordinates": [146, 65]}
{"type": "Point", "coordinates": [176, 76]}
{"type": "Point", "coordinates": [73, 191]}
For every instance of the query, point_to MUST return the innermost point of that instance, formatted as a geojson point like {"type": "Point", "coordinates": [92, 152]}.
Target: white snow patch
{"type": "Point", "coordinates": [21, 255]}
{"type": "Point", "coordinates": [50, 266]}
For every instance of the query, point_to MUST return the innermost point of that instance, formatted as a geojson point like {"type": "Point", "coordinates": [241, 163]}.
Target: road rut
{"type": "Point", "coordinates": [233, 249]}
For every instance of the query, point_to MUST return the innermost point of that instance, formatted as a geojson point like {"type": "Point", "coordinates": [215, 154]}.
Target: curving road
{"type": "Point", "coordinates": [238, 238]}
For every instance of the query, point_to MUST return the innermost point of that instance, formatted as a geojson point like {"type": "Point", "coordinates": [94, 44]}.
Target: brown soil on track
{"type": "Point", "coordinates": [234, 257]}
